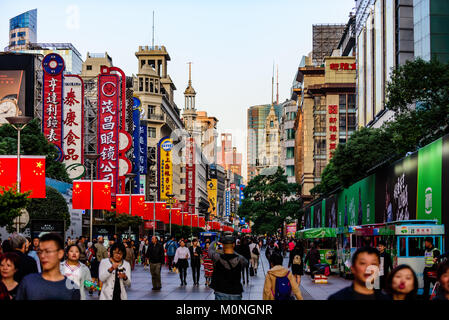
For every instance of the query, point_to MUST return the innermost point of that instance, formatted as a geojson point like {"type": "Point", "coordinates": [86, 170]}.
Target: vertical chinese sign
{"type": "Point", "coordinates": [190, 175]}
{"type": "Point", "coordinates": [53, 66]}
{"type": "Point", "coordinates": [212, 191]}
{"type": "Point", "coordinates": [228, 202]}
{"type": "Point", "coordinates": [165, 167]}
{"type": "Point", "coordinates": [73, 125]}
{"type": "Point", "coordinates": [107, 119]}
{"type": "Point", "coordinates": [333, 116]}
{"type": "Point", "coordinates": [136, 145]}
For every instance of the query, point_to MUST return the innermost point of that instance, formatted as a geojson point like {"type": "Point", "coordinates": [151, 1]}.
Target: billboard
{"type": "Point", "coordinates": [330, 215]}
{"type": "Point", "coordinates": [396, 188]}
{"type": "Point", "coordinates": [317, 214]}
{"type": "Point", "coordinates": [190, 175]}
{"type": "Point", "coordinates": [107, 126]}
{"type": "Point", "coordinates": [12, 94]}
{"type": "Point", "coordinates": [17, 69]}
{"type": "Point", "coordinates": [165, 167]}
{"type": "Point", "coordinates": [73, 126]}
{"type": "Point", "coordinates": [212, 190]}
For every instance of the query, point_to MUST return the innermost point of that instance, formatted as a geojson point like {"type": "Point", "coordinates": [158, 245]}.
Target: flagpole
{"type": "Point", "coordinates": [131, 177]}
{"type": "Point", "coordinates": [170, 199]}
{"type": "Point", "coordinates": [154, 216]}
{"type": "Point", "coordinates": [92, 158]}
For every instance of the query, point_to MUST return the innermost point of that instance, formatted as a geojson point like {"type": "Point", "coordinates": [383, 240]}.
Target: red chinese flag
{"type": "Point", "coordinates": [176, 217]}
{"type": "Point", "coordinates": [195, 220]}
{"type": "Point", "coordinates": [216, 225]}
{"type": "Point", "coordinates": [122, 205]}
{"type": "Point", "coordinates": [202, 222]}
{"type": "Point", "coordinates": [148, 211]}
{"type": "Point", "coordinates": [138, 205]}
{"type": "Point", "coordinates": [81, 194]}
{"type": "Point", "coordinates": [8, 172]}
{"type": "Point", "coordinates": [32, 175]}
{"type": "Point", "coordinates": [102, 194]}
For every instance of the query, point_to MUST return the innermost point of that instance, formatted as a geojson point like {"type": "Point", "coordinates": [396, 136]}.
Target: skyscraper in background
{"type": "Point", "coordinates": [22, 30]}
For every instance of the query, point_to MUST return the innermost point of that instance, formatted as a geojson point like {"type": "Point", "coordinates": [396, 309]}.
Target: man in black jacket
{"type": "Point", "coordinates": [313, 257]}
{"type": "Point", "coordinates": [195, 260]}
{"type": "Point", "coordinates": [362, 287]}
{"type": "Point", "coordinates": [155, 255]}
{"type": "Point", "coordinates": [227, 270]}
{"type": "Point", "coordinates": [386, 264]}
{"type": "Point", "coordinates": [27, 264]}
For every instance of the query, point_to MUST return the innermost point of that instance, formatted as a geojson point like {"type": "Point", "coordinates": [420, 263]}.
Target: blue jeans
{"type": "Point", "coordinates": [225, 296]}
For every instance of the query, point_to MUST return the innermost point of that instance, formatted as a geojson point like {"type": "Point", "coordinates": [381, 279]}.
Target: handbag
{"type": "Point", "coordinates": [255, 251]}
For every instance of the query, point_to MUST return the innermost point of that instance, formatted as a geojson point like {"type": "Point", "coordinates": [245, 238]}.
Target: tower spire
{"type": "Point", "coordinates": [190, 72]}
{"type": "Point", "coordinates": [277, 84]}
{"type": "Point", "coordinates": [272, 85]}
{"type": "Point", "coordinates": [152, 39]}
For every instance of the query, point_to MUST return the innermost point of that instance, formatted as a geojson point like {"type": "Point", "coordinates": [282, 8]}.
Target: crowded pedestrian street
{"type": "Point", "coordinates": [171, 290]}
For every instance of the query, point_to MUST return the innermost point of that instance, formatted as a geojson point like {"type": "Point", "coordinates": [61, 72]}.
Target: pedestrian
{"type": "Point", "coordinates": [270, 249]}
{"type": "Point", "coordinates": [9, 263]}
{"type": "Point", "coordinates": [243, 249]}
{"type": "Point", "coordinates": [254, 249]}
{"type": "Point", "coordinates": [364, 262]}
{"type": "Point", "coordinates": [32, 252]}
{"type": "Point", "coordinates": [295, 261]}
{"type": "Point", "coordinates": [386, 264]}
{"type": "Point", "coordinates": [82, 247]}
{"type": "Point", "coordinates": [171, 247]}
{"type": "Point", "coordinates": [27, 265]}
{"type": "Point", "coordinates": [279, 282]}
{"type": "Point", "coordinates": [431, 255]}
{"type": "Point", "coordinates": [155, 256]}
{"type": "Point", "coordinates": [443, 281]}
{"type": "Point", "coordinates": [115, 273]}
{"type": "Point", "coordinates": [195, 261]}
{"type": "Point", "coordinates": [145, 259]}
{"type": "Point", "coordinates": [313, 257]}
{"type": "Point", "coordinates": [75, 270]}
{"type": "Point", "coordinates": [51, 284]}
{"type": "Point", "coordinates": [208, 264]}
{"type": "Point", "coordinates": [129, 254]}
{"type": "Point", "coordinates": [402, 283]}
{"type": "Point", "coordinates": [101, 253]}
{"type": "Point", "coordinates": [228, 266]}
{"type": "Point", "coordinates": [181, 261]}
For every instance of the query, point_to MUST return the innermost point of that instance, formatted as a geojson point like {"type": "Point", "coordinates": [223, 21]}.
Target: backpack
{"type": "Point", "coordinates": [283, 288]}
{"type": "Point", "coordinates": [297, 259]}
{"type": "Point", "coordinates": [171, 248]}
{"type": "Point", "coordinates": [255, 251]}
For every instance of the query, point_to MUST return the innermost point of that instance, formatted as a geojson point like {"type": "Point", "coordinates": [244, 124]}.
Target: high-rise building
{"type": "Point", "coordinates": [22, 30]}
{"type": "Point", "coordinates": [208, 128]}
{"type": "Point", "coordinates": [287, 131]}
{"type": "Point", "coordinates": [256, 140]}
{"type": "Point", "coordinates": [228, 157]}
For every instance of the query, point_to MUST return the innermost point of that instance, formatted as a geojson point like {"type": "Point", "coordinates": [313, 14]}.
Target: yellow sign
{"type": "Point", "coordinates": [165, 168]}
{"type": "Point", "coordinates": [212, 195]}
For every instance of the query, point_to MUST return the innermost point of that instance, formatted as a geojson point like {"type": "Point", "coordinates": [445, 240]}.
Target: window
{"type": "Point", "coordinates": [271, 124]}
{"type": "Point", "coordinates": [290, 171]}
{"type": "Point", "coordinates": [342, 102]}
{"type": "Point", "coordinates": [13, 43]}
{"type": "Point", "coordinates": [13, 35]}
{"type": "Point", "coordinates": [290, 153]}
{"type": "Point", "coordinates": [319, 167]}
{"type": "Point", "coordinates": [142, 63]}
{"type": "Point", "coordinates": [320, 146]}
{"type": "Point", "coordinates": [20, 42]}
{"type": "Point", "coordinates": [151, 109]}
{"type": "Point", "coordinates": [146, 84]}
{"type": "Point", "coordinates": [320, 123]}
{"type": "Point", "coordinates": [140, 84]}
{"type": "Point", "coordinates": [343, 122]}
{"type": "Point", "coordinates": [151, 85]}
{"type": "Point", "coordinates": [416, 246]}
{"type": "Point", "coordinates": [290, 133]}
{"type": "Point", "coordinates": [21, 34]}
{"type": "Point", "coordinates": [152, 132]}
{"type": "Point", "coordinates": [351, 122]}
{"type": "Point", "coordinates": [88, 67]}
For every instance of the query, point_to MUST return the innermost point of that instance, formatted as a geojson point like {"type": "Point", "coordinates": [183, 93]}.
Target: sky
{"type": "Point", "coordinates": [232, 44]}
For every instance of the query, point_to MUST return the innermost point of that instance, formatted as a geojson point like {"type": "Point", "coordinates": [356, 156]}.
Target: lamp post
{"type": "Point", "coordinates": [92, 157]}
{"type": "Point", "coordinates": [182, 215]}
{"type": "Point", "coordinates": [191, 217]}
{"type": "Point", "coordinates": [170, 202]}
{"type": "Point", "coordinates": [131, 177]}
{"type": "Point", "coordinates": [154, 213]}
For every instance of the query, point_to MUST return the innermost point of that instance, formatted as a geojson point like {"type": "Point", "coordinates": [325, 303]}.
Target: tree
{"type": "Point", "coordinates": [269, 203]}
{"type": "Point", "coordinates": [122, 221]}
{"type": "Point", "coordinates": [33, 142]}
{"type": "Point", "coordinates": [11, 202]}
{"type": "Point", "coordinates": [53, 207]}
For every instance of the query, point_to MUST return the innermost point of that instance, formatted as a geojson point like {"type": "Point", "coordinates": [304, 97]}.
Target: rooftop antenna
{"type": "Point", "coordinates": [277, 84]}
{"type": "Point", "coordinates": [152, 42]}
{"type": "Point", "coordinates": [272, 85]}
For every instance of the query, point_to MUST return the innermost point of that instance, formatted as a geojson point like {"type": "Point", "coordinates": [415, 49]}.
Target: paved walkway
{"type": "Point", "coordinates": [171, 289]}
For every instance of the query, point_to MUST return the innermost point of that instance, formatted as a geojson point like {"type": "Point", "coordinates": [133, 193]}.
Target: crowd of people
{"type": "Point", "coordinates": [47, 268]}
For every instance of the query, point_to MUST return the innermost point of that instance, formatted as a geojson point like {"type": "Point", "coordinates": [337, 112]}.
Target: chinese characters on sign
{"type": "Point", "coordinates": [190, 174]}
{"type": "Point", "coordinates": [343, 66]}
{"type": "Point", "coordinates": [333, 114]}
{"type": "Point", "coordinates": [73, 124]}
{"type": "Point", "coordinates": [53, 66]}
{"type": "Point", "coordinates": [165, 167]}
{"type": "Point", "coordinates": [107, 143]}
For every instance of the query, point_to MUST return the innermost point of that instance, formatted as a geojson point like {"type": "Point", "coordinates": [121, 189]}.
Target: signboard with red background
{"type": "Point", "coordinates": [190, 175]}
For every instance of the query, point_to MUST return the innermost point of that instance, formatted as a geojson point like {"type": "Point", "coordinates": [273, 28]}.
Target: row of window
{"type": "Point", "coordinates": [19, 43]}
{"type": "Point", "coordinates": [290, 116]}
{"type": "Point", "coordinates": [151, 85]}
{"type": "Point", "coordinates": [19, 34]}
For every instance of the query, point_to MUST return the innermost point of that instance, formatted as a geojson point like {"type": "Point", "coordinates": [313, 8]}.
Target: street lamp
{"type": "Point", "coordinates": [191, 217]}
{"type": "Point", "coordinates": [92, 157]}
{"type": "Point", "coordinates": [131, 177]}
{"type": "Point", "coordinates": [170, 202]}
{"type": "Point", "coordinates": [154, 213]}
{"type": "Point", "coordinates": [182, 215]}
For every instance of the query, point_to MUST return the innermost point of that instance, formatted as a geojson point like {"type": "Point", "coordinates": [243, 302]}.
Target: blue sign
{"type": "Point", "coordinates": [228, 203]}
{"type": "Point", "coordinates": [53, 64]}
{"type": "Point", "coordinates": [242, 196]}
{"type": "Point", "coordinates": [143, 155]}
{"type": "Point", "coordinates": [136, 150]}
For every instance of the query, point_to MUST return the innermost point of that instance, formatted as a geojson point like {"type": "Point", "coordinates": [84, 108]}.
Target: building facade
{"type": "Point", "coordinates": [228, 157]}
{"type": "Point", "coordinates": [22, 30]}
{"type": "Point", "coordinates": [287, 140]}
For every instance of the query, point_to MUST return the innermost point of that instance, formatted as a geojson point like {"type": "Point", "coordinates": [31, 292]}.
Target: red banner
{"type": "Point", "coordinates": [107, 128]}
{"type": "Point", "coordinates": [52, 96]}
{"type": "Point", "coordinates": [190, 175]}
{"type": "Point", "coordinates": [176, 217]}
{"type": "Point", "coordinates": [195, 221]}
{"type": "Point", "coordinates": [137, 204]}
{"type": "Point", "coordinates": [101, 194]}
{"type": "Point", "coordinates": [8, 172]}
{"type": "Point", "coordinates": [202, 222]}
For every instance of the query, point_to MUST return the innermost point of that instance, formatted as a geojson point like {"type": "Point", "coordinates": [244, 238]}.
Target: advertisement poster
{"type": "Point", "coordinates": [396, 188]}
{"type": "Point", "coordinates": [331, 212]}
{"type": "Point", "coordinates": [317, 214]}
{"type": "Point", "coordinates": [12, 93]}
{"type": "Point", "coordinates": [364, 192]}
{"type": "Point", "coordinates": [73, 126]}
{"type": "Point", "coordinates": [308, 217]}
{"type": "Point", "coordinates": [429, 181]}
{"type": "Point", "coordinates": [165, 168]}
{"type": "Point", "coordinates": [291, 229]}
{"type": "Point", "coordinates": [108, 125]}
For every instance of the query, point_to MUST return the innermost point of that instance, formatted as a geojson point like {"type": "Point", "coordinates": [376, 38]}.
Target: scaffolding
{"type": "Point", "coordinates": [326, 38]}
